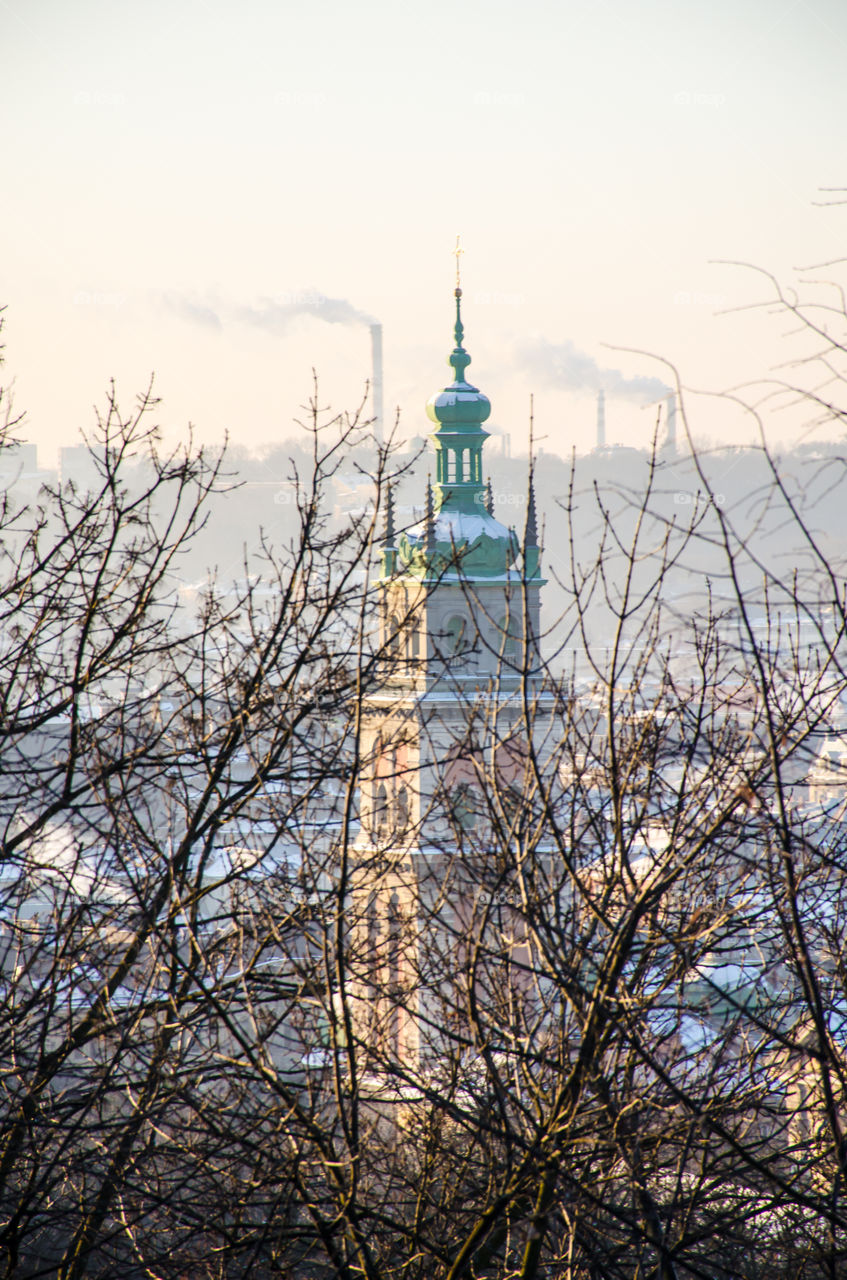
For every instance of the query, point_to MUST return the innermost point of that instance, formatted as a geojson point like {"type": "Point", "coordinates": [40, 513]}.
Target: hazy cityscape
{"type": "Point", "coordinates": [423, 656]}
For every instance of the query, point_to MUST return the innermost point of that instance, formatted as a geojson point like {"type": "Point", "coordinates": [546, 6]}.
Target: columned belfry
{"type": "Point", "coordinates": [459, 602]}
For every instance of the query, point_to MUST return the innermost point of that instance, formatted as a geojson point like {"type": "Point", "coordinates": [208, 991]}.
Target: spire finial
{"type": "Point", "coordinates": [457, 253]}
{"type": "Point", "coordinates": [459, 328]}
{"type": "Point", "coordinates": [489, 498]}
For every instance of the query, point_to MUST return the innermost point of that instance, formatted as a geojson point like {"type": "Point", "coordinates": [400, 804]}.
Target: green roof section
{"type": "Point", "coordinates": [460, 537]}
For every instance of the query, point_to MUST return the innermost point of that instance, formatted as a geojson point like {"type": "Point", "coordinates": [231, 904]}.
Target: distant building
{"type": "Point", "coordinates": [77, 465]}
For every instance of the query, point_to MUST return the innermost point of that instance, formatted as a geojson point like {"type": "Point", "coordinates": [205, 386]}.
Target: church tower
{"type": "Point", "coordinates": [458, 605]}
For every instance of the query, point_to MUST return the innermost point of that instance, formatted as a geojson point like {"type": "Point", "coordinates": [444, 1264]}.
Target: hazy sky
{"type": "Point", "coordinates": [182, 174]}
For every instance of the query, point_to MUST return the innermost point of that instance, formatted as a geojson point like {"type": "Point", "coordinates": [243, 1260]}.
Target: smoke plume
{"type": "Point", "coordinates": [274, 315]}
{"type": "Point", "coordinates": [564, 365]}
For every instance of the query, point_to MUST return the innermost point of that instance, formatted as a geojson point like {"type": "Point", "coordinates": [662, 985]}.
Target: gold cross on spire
{"type": "Point", "coordinates": [457, 253]}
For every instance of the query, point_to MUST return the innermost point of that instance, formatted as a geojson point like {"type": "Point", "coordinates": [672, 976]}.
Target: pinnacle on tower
{"type": "Point", "coordinates": [429, 523]}
{"type": "Point", "coordinates": [388, 532]}
{"type": "Point", "coordinates": [489, 498]}
{"type": "Point", "coordinates": [531, 551]}
{"type": "Point", "coordinates": [389, 540]}
{"type": "Point", "coordinates": [531, 517]}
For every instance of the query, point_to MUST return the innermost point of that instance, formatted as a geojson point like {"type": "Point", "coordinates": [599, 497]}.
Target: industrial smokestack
{"type": "Point", "coordinates": [601, 419]}
{"type": "Point", "coordinates": [670, 436]}
{"type": "Point", "coordinates": [376, 379]}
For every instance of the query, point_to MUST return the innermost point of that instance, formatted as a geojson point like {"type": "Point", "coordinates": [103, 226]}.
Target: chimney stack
{"type": "Point", "coordinates": [670, 412]}
{"type": "Point", "coordinates": [376, 379]}
{"type": "Point", "coordinates": [601, 419]}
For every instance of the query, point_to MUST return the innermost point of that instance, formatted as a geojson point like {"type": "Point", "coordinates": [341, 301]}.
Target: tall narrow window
{"type": "Point", "coordinates": [509, 628]}
{"type": "Point", "coordinates": [393, 637]}
{"type": "Point", "coordinates": [394, 974]}
{"type": "Point", "coordinates": [380, 813]}
{"type": "Point", "coordinates": [372, 967]}
{"type": "Point", "coordinates": [402, 810]}
{"type": "Point", "coordinates": [372, 959]}
{"type": "Point", "coordinates": [456, 635]}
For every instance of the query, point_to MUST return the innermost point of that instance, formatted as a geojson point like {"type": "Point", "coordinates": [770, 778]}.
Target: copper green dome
{"type": "Point", "coordinates": [472, 545]}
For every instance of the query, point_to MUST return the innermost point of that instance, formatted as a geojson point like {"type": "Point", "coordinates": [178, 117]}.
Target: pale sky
{"type": "Point", "coordinates": [179, 172]}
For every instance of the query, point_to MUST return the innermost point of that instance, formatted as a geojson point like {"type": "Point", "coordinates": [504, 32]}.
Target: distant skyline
{"type": "Point", "coordinates": [224, 195]}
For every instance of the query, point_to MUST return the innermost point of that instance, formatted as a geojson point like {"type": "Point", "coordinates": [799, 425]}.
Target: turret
{"type": "Point", "coordinates": [389, 542]}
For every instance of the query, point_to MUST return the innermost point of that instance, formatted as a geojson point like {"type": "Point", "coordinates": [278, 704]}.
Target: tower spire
{"type": "Point", "coordinates": [459, 358]}
{"type": "Point", "coordinates": [459, 411]}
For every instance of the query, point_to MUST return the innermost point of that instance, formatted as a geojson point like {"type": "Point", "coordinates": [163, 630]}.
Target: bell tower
{"type": "Point", "coordinates": [459, 613]}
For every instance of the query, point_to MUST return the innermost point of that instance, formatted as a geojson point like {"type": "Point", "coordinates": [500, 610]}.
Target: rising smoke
{"type": "Point", "coordinates": [192, 309]}
{"type": "Point", "coordinates": [564, 365]}
{"type": "Point", "coordinates": [274, 315]}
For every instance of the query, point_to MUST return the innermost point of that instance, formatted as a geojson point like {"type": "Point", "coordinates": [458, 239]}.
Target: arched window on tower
{"type": "Point", "coordinates": [464, 806]}
{"type": "Point", "coordinates": [456, 636]}
{"type": "Point", "coordinates": [402, 810]}
{"type": "Point", "coordinates": [459, 643]}
{"type": "Point", "coordinates": [380, 812]}
{"type": "Point", "coordinates": [393, 639]}
{"type": "Point", "coordinates": [372, 958]}
{"type": "Point", "coordinates": [509, 628]}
